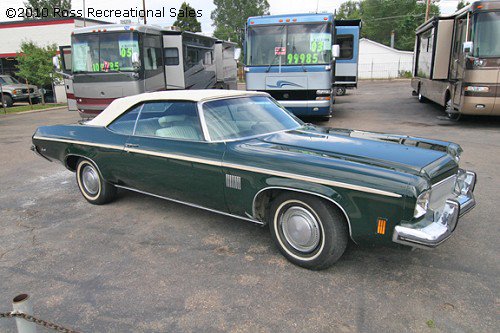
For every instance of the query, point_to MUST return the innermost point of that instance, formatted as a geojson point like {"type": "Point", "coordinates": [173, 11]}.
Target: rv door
{"type": "Point", "coordinates": [66, 67]}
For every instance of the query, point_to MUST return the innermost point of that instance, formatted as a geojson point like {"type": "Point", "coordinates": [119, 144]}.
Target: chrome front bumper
{"type": "Point", "coordinates": [439, 229]}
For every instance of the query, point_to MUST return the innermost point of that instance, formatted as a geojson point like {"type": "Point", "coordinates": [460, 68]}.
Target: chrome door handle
{"type": "Point", "coordinates": [131, 145]}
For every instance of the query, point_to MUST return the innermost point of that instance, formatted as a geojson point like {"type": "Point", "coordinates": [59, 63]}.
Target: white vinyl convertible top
{"type": "Point", "coordinates": [120, 105]}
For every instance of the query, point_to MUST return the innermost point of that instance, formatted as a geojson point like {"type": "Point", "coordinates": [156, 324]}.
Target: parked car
{"type": "Point", "coordinates": [242, 154]}
{"type": "Point", "coordinates": [15, 91]}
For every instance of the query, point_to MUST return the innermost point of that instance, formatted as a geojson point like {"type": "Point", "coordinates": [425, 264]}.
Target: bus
{"type": "Point", "coordinates": [292, 57]}
{"type": "Point", "coordinates": [110, 61]}
{"type": "Point", "coordinates": [457, 61]}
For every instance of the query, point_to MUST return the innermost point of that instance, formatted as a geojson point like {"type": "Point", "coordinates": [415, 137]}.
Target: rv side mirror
{"type": "Point", "coordinates": [335, 51]}
{"type": "Point", "coordinates": [136, 62]}
{"type": "Point", "coordinates": [468, 47]}
{"type": "Point", "coordinates": [237, 53]}
{"type": "Point", "coordinates": [56, 63]}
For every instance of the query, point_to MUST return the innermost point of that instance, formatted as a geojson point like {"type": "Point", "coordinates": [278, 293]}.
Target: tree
{"type": "Point", "coordinates": [35, 63]}
{"type": "Point", "coordinates": [230, 17]}
{"type": "Point", "coordinates": [462, 4]}
{"type": "Point", "coordinates": [381, 17]}
{"type": "Point", "coordinates": [50, 5]}
{"type": "Point", "coordinates": [349, 10]}
{"type": "Point", "coordinates": [186, 19]}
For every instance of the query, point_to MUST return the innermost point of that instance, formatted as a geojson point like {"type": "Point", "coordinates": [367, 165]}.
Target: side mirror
{"type": "Point", "coordinates": [467, 47]}
{"type": "Point", "coordinates": [335, 51]}
{"type": "Point", "coordinates": [136, 62]}
{"type": "Point", "coordinates": [56, 63]}
{"type": "Point", "coordinates": [237, 53]}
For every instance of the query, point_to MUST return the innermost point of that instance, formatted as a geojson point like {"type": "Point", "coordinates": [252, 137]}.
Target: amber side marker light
{"type": "Point", "coordinates": [381, 226]}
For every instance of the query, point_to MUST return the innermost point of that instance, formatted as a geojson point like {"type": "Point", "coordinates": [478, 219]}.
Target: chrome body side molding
{"type": "Point", "coordinates": [191, 205]}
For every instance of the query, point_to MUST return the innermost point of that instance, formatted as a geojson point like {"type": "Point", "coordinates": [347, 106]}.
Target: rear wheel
{"type": "Point", "coordinates": [308, 231]}
{"type": "Point", "coordinates": [91, 184]}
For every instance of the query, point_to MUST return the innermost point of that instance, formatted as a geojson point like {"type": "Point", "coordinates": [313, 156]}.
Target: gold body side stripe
{"type": "Point", "coordinates": [233, 166]}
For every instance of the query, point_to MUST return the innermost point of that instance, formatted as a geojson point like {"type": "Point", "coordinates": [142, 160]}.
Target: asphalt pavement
{"type": "Point", "coordinates": [141, 264]}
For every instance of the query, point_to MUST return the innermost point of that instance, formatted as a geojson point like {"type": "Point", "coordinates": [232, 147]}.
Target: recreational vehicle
{"type": "Point", "coordinates": [457, 60]}
{"type": "Point", "coordinates": [292, 57]}
{"type": "Point", "coordinates": [112, 61]}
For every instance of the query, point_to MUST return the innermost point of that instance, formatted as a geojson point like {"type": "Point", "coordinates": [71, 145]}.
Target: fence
{"type": "Point", "coordinates": [385, 70]}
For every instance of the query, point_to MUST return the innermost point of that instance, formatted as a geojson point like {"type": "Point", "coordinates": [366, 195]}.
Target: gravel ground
{"type": "Point", "coordinates": [142, 264]}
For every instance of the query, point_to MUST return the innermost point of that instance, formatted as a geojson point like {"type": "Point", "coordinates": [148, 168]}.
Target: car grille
{"type": "Point", "coordinates": [442, 191]}
{"type": "Point", "coordinates": [25, 91]}
{"type": "Point", "coordinates": [292, 95]}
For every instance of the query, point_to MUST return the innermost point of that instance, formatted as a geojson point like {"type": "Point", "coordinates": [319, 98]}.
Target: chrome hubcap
{"type": "Point", "coordinates": [90, 180]}
{"type": "Point", "coordinates": [300, 228]}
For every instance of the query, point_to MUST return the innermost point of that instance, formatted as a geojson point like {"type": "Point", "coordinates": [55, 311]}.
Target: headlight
{"type": "Point", "coordinates": [422, 204]}
{"type": "Point", "coordinates": [323, 92]}
{"type": "Point", "coordinates": [477, 89]}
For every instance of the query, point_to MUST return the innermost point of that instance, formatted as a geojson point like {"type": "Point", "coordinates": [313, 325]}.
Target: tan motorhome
{"type": "Point", "coordinates": [457, 60]}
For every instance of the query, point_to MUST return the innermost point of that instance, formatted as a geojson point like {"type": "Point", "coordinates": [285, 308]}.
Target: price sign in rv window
{"type": "Point", "coordinates": [320, 42]}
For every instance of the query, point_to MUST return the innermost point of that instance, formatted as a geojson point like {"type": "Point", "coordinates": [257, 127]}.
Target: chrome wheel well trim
{"type": "Point", "coordinates": [85, 157]}
{"type": "Point", "coordinates": [306, 192]}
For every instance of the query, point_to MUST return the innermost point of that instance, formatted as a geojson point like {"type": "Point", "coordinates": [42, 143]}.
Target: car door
{"type": "Point", "coordinates": [167, 155]}
{"type": "Point", "coordinates": [458, 59]}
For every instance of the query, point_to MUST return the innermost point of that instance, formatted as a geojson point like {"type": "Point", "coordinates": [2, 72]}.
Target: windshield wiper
{"type": "Point", "coordinates": [272, 61]}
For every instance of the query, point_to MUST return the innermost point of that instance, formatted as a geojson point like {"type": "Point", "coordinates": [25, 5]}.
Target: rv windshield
{"type": "Point", "coordinates": [294, 44]}
{"type": "Point", "coordinates": [104, 52]}
{"type": "Point", "coordinates": [487, 34]}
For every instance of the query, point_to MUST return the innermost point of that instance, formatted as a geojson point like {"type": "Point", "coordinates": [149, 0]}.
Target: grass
{"type": "Point", "coordinates": [23, 108]}
{"type": "Point", "coordinates": [431, 324]}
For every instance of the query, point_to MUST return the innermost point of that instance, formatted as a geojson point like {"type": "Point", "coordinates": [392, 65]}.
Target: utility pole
{"type": "Point", "coordinates": [144, 8]}
{"type": "Point", "coordinates": [84, 22]}
{"type": "Point", "coordinates": [427, 10]}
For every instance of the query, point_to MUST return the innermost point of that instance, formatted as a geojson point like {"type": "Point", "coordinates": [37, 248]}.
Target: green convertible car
{"type": "Point", "coordinates": [242, 154]}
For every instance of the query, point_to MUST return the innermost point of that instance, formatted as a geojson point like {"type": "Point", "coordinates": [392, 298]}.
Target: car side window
{"type": "Point", "coordinates": [126, 122]}
{"type": "Point", "coordinates": [170, 119]}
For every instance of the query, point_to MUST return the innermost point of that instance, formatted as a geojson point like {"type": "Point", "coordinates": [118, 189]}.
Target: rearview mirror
{"type": "Point", "coordinates": [136, 62]}
{"type": "Point", "coordinates": [237, 53]}
{"type": "Point", "coordinates": [468, 47]}
{"type": "Point", "coordinates": [56, 63]}
{"type": "Point", "coordinates": [335, 51]}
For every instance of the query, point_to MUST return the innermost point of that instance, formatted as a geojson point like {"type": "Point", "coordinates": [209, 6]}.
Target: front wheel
{"type": "Point", "coordinates": [308, 231]}
{"type": "Point", "coordinates": [421, 98]}
{"type": "Point", "coordinates": [341, 91]}
{"type": "Point", "coordinates": [7, 101]}
{"type": "Point", "coordinates": [91, 184]}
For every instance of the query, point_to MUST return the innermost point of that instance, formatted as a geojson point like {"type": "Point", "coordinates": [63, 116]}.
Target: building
{"type": "Point", "coordinates": [378, 61]}
{"type": "Point", "coordinates": [42, 32]}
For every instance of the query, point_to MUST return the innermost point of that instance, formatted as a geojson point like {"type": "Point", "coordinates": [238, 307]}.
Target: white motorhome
{"type": "Point", "coordinates": [111, 61]}
{"type": "Point", "coordinates": [457, 60]}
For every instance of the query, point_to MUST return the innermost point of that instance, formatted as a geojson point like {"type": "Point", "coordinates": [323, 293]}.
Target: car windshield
{"type": "Point", "coordinates": [293, 44]}
{"type": "Point", "coordinates": [104, 52]}
{"type": "Point", "coordinates": [8, 80]}
{"type": "Point", "coordinates": [487, 35]}
{"type": "Point", "coordinates": [235, 118]}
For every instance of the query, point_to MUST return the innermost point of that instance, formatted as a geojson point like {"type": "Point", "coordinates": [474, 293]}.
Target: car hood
{"type": "Point", "coordinates": [18, 86]}
{"type": "Point", "coordinates": [408, 154]}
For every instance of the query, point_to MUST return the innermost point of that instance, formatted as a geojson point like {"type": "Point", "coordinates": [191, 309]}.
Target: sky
{"type": "Point", "coordinates": [206, 6]}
